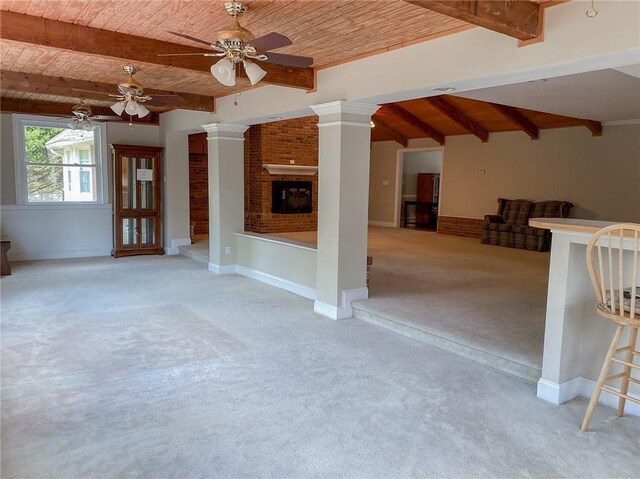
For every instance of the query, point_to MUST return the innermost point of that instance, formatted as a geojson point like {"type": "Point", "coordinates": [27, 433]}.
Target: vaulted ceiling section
{"type": "Point", "coordinates": [447, 115]}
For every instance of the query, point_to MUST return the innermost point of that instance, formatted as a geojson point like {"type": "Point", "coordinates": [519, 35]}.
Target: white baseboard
{"type": "Point", "coordinates": [285, 284]}
{"type": "Point", "coordinates": [225, 269]}
{"type": "Point", "coordinates": [327, 310]}
{"type": "Point", "coordinates": [175, 243]}
{"type": "Point", "coordinates": [579, 386]}
{"type": "Point", "coordinates": [345, 310]}
{"type": "Point", "coordinates": [351, 295]}
{"type": "Point", "coordinates": [386, 224]}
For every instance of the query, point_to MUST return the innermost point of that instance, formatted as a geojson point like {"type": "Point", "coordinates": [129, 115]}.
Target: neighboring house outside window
{"type": "Point", "coordinates": [59, 164]}
{"type": "Point", "coordinates": [76, 147]}
{"type": "Point", "coordinates": [85, 181]}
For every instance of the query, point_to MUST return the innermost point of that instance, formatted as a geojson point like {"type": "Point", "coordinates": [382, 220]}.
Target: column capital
{"type": "Point", "coordinates": [342, 106]}
{"type": "Point", "coordinates": [225, 130]}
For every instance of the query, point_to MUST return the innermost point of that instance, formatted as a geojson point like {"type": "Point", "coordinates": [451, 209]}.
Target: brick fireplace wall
{"type": "Point", "coordinates": [278, 143]}
{"type": "Point", "coordinates": [198, 183]}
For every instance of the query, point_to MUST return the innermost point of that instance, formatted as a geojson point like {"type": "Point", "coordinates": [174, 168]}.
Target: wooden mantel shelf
{"type": "Point", "coordinates": [291, 170]}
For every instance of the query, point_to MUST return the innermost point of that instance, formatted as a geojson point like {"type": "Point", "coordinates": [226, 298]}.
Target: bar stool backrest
{"type": "Point", "coordinates": [615, 281]}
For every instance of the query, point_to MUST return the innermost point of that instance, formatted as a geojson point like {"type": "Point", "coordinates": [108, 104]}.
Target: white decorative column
{"type": "Point", "coordinates": [226, 194]}
{"type": "Point", "coordinates": [175, 196]}
{"type": "Point", "coordinates": [343, 202]}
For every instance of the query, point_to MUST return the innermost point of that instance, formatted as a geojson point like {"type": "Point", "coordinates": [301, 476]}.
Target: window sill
{"type": "Point", "coordinates": [63, 206]}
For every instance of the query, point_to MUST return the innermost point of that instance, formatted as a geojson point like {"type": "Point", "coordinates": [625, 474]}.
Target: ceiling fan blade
{"type": "Point", "coordinates": [289, 60]}
{"type": "Point", "coordinates": [270, 41]}
{"type": "Point", "coordinates": [92, 92]}
{"type": "Point", "coordinates": [190, 54]}
{"type": "Point", "coordinates": [193, 39]}
{"type": "Point", "coordinates": [166, 98]}
{"type": "Point", "coordinates": [105, 118]}
{"type": "Point", "coordinates": [154, 102]}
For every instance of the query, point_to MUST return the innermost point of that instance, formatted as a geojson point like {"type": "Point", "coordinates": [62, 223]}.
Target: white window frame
{"type": "Point", "coordinates": [101, 160]}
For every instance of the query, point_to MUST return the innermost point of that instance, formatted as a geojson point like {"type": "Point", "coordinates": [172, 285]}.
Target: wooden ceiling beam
{"type": "Point", "coordinates": [517, 19]}
{"type": "Point", "coordinates": [60, 86]}
{"type": "Point", "coordinates": [519, 119]}
{"type": "Point", "coordinates": [450, 110]}
{"type": "Point", "coordinates": [594, 126]}
{"type": "Point", "coordinates": [95, 41]}
{"type": "Point", "coordinates": [407, 116]}
{"type": "Point", "coordinates": [13, 105]}
{"type": "Point", "coordinates": [389, 130]}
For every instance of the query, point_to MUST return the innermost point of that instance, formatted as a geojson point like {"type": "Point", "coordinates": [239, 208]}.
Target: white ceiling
{"type": "Point", "coordinates": [604, 95]}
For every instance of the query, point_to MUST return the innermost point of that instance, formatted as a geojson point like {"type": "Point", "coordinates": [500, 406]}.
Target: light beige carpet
{"type": "Point", "coordinates": [151, 367]}
{"type": "Point", "coordinates": [490, 298]}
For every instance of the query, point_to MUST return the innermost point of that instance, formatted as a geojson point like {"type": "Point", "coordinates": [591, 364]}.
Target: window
{"type": "Point", "coordinates": [85, 182]}
{"type": "Point", "coordinates": [59, 164]}
{"type": "Point", "coordinates": [84, 157]}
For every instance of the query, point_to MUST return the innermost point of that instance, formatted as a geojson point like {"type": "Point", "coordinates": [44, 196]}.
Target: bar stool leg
{"type": "Point", "coordinates": [624, 387]}
{"type": "Point", "coordinates": [603, 375]}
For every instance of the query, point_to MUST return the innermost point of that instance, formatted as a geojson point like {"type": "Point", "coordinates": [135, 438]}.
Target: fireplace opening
{"type": "Point", "coordinates": [292, 197]}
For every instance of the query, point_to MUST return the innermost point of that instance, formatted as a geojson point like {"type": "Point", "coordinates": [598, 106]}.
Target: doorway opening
{"type": "Point", "coordinates": [418, 187]}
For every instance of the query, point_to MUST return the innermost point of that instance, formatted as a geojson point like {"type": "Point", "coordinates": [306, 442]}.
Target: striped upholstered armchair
{"type": "Point", "coordinates": [510, 226]}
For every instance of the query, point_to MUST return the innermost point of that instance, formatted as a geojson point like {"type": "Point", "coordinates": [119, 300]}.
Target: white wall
{"type": "Point", "coordinates": [599, 175]}
{"type": "Point", "coordinates": [261, 257]}
{"type": "Point", "coordinates": [175, 195]}
{"type": "Point", "coordinates": [7, 169]}
{"type": "Point", "coordinates": [382, 181]}
{"type": "Point", "coordinates": [61, 231]}
{"type": "Point", "coordinates": [47, 232]}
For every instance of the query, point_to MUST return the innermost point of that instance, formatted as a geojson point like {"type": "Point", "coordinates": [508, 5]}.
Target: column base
{"type": "Point", "coordinates": [343, 311]}
{"type": "Point", "coordinates": [175, 244]}
{"type": "Point", "coordinates": [563, 392]}
{"type": "Point", "coordinates": [224, 269]}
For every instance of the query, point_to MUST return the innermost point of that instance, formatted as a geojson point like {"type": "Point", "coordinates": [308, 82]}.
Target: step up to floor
{"type": "Point", "coordinates": [469, 351]}
{"type": "Point", "coordinates": [195, 255]}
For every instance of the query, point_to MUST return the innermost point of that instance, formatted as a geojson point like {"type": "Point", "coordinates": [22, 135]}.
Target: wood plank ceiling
{"type": "Point", "coordinates": [53, 48]}
{"type": "Point", "coordinates": [83, 47]}
{"type": "Point", "coordinates": [430, 118]}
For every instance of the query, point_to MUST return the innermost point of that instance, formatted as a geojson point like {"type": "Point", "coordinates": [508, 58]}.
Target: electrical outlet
{"type": "Point", "coordinates": [227, 250]}
{"type": "Point", "coordinates": [292, 162]}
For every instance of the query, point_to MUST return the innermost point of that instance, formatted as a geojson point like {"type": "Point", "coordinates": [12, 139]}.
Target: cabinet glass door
{"type": "Point", "coordinates": [129, 233]}
{"type": "Point", "coordinates": [147, 197]}
{"type": "Point", "coordinates": [129, 191]}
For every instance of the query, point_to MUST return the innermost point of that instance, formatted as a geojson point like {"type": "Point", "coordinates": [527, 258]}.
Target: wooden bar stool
{"type": "Point", "coordinates": [615, 282]}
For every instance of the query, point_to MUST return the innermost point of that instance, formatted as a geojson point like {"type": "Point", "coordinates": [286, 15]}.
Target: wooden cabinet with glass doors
{"type": "Point", "coordinates": [137, 200]}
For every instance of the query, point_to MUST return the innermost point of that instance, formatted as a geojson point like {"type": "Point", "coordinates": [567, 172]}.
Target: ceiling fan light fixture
{"type": "Point", "coordinates": [88, 126]}
{"type": "Point", "coordinates": [254, 72]}
{"type": "Point", "coordinates": [118, 107]}
{"type": "Point", "coordinates": [142, 111]}
{"type": "Point", "coordinates": [224, 71]}
{"type": "Point", "coordinates": [131, 108]}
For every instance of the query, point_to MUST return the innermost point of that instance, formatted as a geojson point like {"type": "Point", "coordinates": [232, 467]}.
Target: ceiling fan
{"type": "Point", "coordinates": [237, 45]}
{"type": "Point", "coordinates": [83, 117]}
{"type": "Point", "coordinates": [131, 96]}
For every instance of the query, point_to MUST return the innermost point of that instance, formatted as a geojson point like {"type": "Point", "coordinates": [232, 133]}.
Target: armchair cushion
{"type": "Point", "coordinates": [499, 227]}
